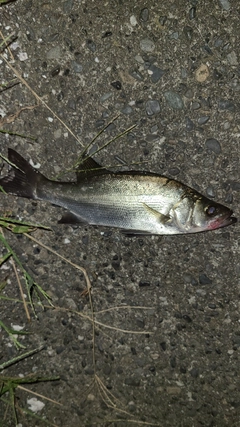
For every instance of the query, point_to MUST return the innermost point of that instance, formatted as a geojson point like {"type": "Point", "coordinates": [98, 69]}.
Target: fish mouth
{"type": "Point", "coordinates": [225, 220]}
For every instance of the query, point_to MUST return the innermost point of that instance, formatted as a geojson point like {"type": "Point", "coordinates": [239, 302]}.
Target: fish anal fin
{"type": "Point", "coordinates": [158, 215]}
{"type": "Point", "coordinates": [70, 218]}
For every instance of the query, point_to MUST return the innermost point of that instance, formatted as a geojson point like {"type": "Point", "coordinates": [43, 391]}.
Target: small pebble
{"type": "Point", "coordinates": [133, 382]}
{"type": "Point", "coordinates": [189, 94]}
{"type": "Point", "coordinates": [139, 59]}
{"type": "Point", "coordinates": [30, 34]}
{"type": "Point", "coordinates": [69, 44]}
{"type": "Point", "coordinates": [143, 283]}
{"type": "Point", "coordinates": [67, 6]}
{"type": "Point", "coordinates": [156, 73]}
{"type": "Point", "coordinates": [213, 145]}
{"type": "Point", "coordinates": [202, 73]}
{"type": "Point", "coordinates": [147, 45]}
{"type": "Point", "coordinates": [136, 75]}
{"type": "Point", "coordinates": [105, 97]}
{"type": "Point", "coordinates": [188, 278]}
{"type": "Point", "coordinates": [207, 49]}
{"type": "Point", "coordinates": [194, 372]}
{"type": "Point", "coordinates": [133, 20]}
{"type": "Point", "coordinates": [71, 104]}
{"type": "Point", "coordinates": [225, 4]}
{"type": "Point", "coordinates": [236, 186]}
{"type": "Point", "coordinates": [184, 73]}
{"type": "Point", "coordinates": [144, 15]}
{"type": "Point", "coordinates": [228, 198]}
{"type": "Point", "coordinates": [210, 192]}
{"type": "Point", "coordinates": [203, 119]}
{"type": "Point", "coordinates": [107, 34]}
{"type": "Point", "coordinates": [127, 110]}
{"type": "Point", "coordinates": [117, 85]}
{"type": "Point", "coordinates": [188, 32]}
{"type": "Point", "coordinates": [174, 35]}
{"type": "Point", "coordinates": [91, 45]}
{"type": "Point", "coordinates": [174, 100]}
{"type": "Point", "coordinates": [54, 53]}
{"type": "Point", "coordinates": [204, 279]}
{"type": "Point", "coordinates": [189, 124]}
{"type": "Point", "coordinates": [77, 68]}
{"type": "Point", "coordinates": [232, 58]}
{"type": "Point", "coordinates": [187, 318]}
{"type": "Point", "coordinates": [55, 71]}
{"type": "Point", "coordinates": [23, 56]}
{"type": "Point", "coordinates": [152, 107]}
{"type": "Point", "coordinates": [173, 362]}
{"type": "Point", "coordinates": [212, 306]}
{"type": "Point", "coordinates": [226, 104]}
{"type": "Point", "coordinates": [218, 42]}
{"type": "Point", "coordinates": [53, 37]}
{"type": "Point", "coordinates": [162, 20]}
{"type": "Point", "coordinates": [163, 345]}
{"type": "Point", "coordinates": [192, 13]}
{"type": "Point", "coordinates": [174, 171]}
{"type": "Point", "coordinates": [196, 105]}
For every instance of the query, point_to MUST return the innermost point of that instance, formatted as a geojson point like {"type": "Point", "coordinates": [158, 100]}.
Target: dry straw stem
{"type": "Point", "coordinates": [21, 290]}
{"type": "Point", "coordinates": [40, 395]}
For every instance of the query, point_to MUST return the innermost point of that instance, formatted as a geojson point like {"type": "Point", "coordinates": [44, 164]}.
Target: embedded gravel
{"type": "Point", "coordinates": [172, 69]}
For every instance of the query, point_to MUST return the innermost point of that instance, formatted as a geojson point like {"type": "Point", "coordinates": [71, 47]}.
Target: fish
{"type": "Point", "coordinates": [137, 203]}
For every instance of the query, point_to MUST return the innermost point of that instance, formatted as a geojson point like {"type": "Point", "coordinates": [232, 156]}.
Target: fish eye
{"type": "Point", "coordinates": [210, 210]}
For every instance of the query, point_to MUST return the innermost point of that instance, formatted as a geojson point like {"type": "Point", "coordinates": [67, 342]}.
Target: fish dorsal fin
{"type": "Point", "coordinates": [89, 167]}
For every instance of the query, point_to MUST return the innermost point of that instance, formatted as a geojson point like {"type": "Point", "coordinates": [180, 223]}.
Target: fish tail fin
{"type": "Point", "coordinates": [23, 179]}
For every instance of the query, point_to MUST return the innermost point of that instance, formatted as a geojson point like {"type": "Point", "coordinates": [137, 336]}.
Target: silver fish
{"type": "Point", "coordinates": [137, 203]}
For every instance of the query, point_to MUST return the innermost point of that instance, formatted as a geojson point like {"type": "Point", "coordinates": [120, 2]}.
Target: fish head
{"type": "Point", "coordinates": [209, 215]}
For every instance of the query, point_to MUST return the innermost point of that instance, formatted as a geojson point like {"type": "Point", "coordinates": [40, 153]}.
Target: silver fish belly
{"type": "Point", "coordinates": [137, 203]}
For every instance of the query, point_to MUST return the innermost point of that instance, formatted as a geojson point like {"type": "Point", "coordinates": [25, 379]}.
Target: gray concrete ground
{"type": "Point", "coordinates": [171, 68]}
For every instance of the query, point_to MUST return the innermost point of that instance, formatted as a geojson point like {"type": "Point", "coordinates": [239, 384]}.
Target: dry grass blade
{"type": "Point", "coordinates": [94, 139]}
{"type": "Point", "coordinates": [78, 267]}
{"type": "Point", "coordinates": [20, 357]}
{"type": "Point", "coordinates": [124, 307]}
{"type": "Point", "coordinates": [114, 139]}
{"type": "Point", "coordinates": [21, 290]}
{"type": "Point", "coordinates": [7, 40]}
{"type": "Point", "coordinates": [39, 395]}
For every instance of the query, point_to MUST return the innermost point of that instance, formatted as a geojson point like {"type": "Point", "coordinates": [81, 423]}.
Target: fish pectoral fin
{"type": "Point", "coordinates": [157, 215]}
{"type": "Point", "coordinates": [71, 218]}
